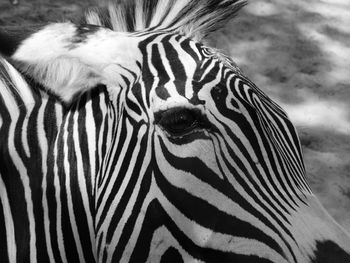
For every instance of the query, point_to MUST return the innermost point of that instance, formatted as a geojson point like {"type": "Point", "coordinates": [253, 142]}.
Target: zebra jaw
{"type": "Point", "coordinates": [75, 58]}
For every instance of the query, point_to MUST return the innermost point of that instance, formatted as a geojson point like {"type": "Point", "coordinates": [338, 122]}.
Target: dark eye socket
{"type": "Point", "coordinates": [179, 121]}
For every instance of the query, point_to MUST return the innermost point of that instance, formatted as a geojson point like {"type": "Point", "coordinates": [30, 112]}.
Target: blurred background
{"type": "Point", "coordinates": [298, 52]}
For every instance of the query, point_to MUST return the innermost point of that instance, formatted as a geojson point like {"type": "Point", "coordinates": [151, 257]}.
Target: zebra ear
{"type": "Point", "coordinates": [68, 59]}
{"type": "Point", "coordinates": [11, 37]}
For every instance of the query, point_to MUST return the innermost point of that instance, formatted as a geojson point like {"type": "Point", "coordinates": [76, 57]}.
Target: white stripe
{"type": "Point", "coordinates": [110, 168]}
{"type": "Point", "coordinates": [162, 238]}
{"type": "Point", "coordinates": [119, 194]}
{"type": "Point", "coordinates": [60, 239]}
{"type": "Point", "coordinates": [202, 190]}
{"type": "Point", "coordinates": [205, 237]}
{"type": "Point", "coordinates": [70, 201]}
{"type": "Point", "coordinates": [9, 225]}
{"type": "Point", "coordinates": [159, 247]}
{"type": "Point", "coordinates": [128, 210]}
{"type": "Point", "coordinates": [21, 86]}
{"type": "Point", "coordinates": [189, 64]}
{"type": "Point", "coordinates": [44, 150]}
{"type": "Point", "coordinates": [91, 139]}
{"type": "Point", "coordinates": [14, 113]}
{"type": "Point", "coordinates": [82, 177]}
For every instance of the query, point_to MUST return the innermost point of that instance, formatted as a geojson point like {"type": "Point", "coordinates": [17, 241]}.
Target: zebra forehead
{"type": "Point", "coordinates": [173, 47]}
{"type": "Point", "coordinates": [189, 68]}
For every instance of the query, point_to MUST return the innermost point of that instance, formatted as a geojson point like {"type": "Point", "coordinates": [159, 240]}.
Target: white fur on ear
{"type": "Point", "coordinates": [69, 60]}
{"type": "Point", "coordinates": [65, 76]}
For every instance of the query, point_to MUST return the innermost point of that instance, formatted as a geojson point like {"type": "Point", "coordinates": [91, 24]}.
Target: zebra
{"type": "Point", "coordinates": [124, 138]}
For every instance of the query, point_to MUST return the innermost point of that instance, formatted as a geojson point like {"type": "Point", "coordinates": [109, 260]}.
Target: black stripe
{"type": "Point", "coordinates": [156, 217]}
{"type": "Point", "coordinates": [144, 189]}
{"type": "Point", "coordinates": [197, 168]}
{"type": "Point", "coordinates": [157, 62]}
{"type": "Point", "coordinates": [329, 252]}
{"type": "Point", "coordinates": [69, 243]}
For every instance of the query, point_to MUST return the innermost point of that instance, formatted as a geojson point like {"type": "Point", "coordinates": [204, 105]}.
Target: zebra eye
{"type": "Point", "coordinates": [177, 122]}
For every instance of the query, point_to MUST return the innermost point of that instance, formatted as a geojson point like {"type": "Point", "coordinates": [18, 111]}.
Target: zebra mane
{"type": "Point", "coordinates": [192, 18]}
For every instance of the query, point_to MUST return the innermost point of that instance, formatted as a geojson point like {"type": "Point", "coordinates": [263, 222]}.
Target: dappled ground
{"type": "Point", "coordinates": [40, 11]}
{"type": "Point", "coordinates": [298, 52]}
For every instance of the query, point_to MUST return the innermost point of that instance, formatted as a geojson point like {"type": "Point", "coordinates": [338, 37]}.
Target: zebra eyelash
{"type": "Point", "coordinates": [180, 121]}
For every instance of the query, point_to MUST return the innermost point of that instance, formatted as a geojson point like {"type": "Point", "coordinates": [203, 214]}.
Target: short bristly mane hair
{"type": "Point", "coordinates": [192, 18]}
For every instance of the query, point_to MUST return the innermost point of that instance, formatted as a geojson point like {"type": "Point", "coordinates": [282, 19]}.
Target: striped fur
{"type": "Point", "coordinates": [105, 180]}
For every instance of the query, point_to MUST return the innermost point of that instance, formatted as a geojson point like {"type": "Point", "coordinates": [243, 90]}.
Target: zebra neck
{"type": "Point", "coordinates": [318, 234]}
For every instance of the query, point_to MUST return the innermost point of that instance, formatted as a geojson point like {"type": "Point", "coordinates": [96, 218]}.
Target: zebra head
{"type": "Point", "coordinates": [182, 158]}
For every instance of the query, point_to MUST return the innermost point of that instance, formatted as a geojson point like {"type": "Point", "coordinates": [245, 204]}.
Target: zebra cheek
{"type": "Point", "coordinates": [185, 164]}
